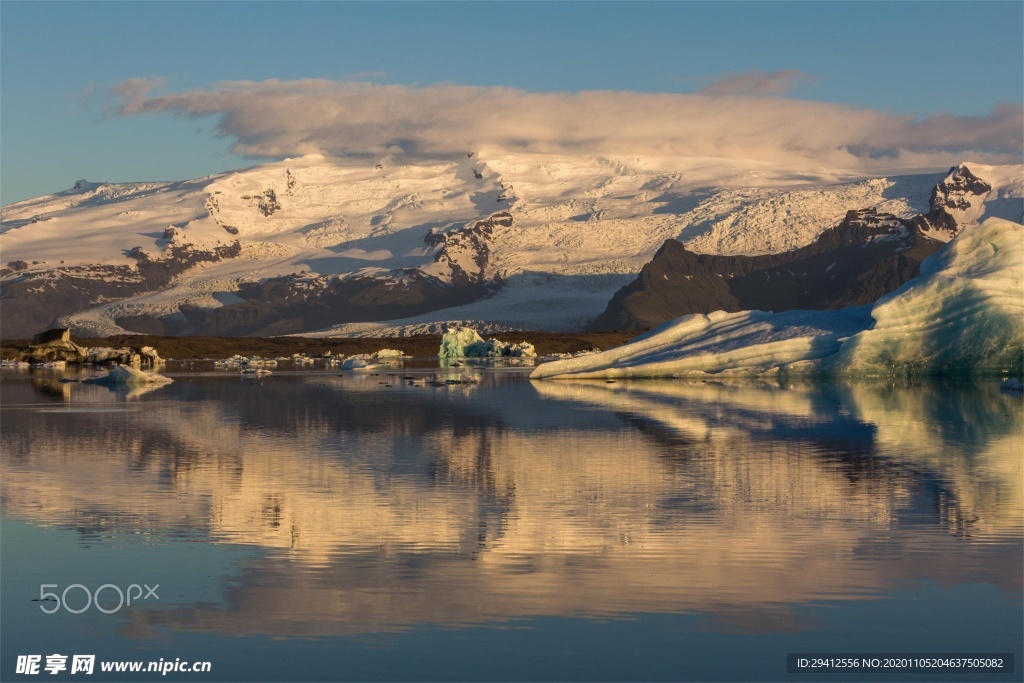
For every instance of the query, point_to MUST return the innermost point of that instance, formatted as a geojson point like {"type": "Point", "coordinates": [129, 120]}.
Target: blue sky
{"type": "Point", "coordinates": [58, 60]}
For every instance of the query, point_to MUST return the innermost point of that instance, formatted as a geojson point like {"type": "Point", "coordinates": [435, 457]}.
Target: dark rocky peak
{"type": "Point", "coordinates": [269, 204]}
{"type": "Point", "coordinates": [960, 190]}
{"type": "Point", "coordinates": [868, 254]}
{"type": "Point", "coordinates": [290, 181]}
{"type": "Point", "coordinates": [466, 250]}
{"type": "Point", "coordinates": [180, 257]}
{"type": "Point", "coordinates": [266, 203]}
{"type": "Point", "coordinates": [955, 189]}
{"type": "Point", "coordinates": [501, 218]}
{"type": "Point", "coordinates": [85, 186]}
{"type": "Point", "coordinates": [866, 224]}
{"type": "Point", "coordinates": [434, 237]}
{"type": "Point", "coordinates": [481, 228]}
{"type": "Point", "coordinates": [213, 206]}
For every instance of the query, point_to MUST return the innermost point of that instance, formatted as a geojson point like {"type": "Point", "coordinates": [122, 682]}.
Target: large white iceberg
{"type": "Point", "coordinates": [964, 314]}
{"type": "Point", "coordinates": [465, 342]}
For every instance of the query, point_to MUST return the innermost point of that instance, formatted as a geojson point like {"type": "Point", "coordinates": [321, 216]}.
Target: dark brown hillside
{"type": "Point", "coordinates": [864, 257]}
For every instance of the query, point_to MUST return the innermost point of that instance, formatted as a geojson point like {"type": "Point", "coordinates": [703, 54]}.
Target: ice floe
{"type": "Point", "coordinates": [360, 364]}
{"type": "Point", "coordinates": [51, 365]}
{"type": "Point", "coordinates": [126, 376]}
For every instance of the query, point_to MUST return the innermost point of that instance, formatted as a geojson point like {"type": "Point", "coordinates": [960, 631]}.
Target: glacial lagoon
{"type": "Point", "coordinates": [318, 525]}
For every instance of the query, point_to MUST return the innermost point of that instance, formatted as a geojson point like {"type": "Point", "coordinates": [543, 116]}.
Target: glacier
{"type": "Point", "coordinates": [963, 315]}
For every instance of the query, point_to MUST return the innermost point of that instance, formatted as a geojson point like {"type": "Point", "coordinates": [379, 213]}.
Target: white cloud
{"type": "Point", "coordinates": [288, 118]}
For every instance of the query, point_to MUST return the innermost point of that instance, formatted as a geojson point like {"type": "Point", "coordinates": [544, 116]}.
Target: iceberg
{"type": "Point", "coordinates": [963, 315]}
{"type": "Point", "coordinates": [457, 342]}
{"type": "Point", "coordinates": [465, 342]}
{"type": "Point", "coordinates": [741, 343]}
{"type": "Point", "coordinates": [125, 376]}
{"type": "Point", "coordinates": [360, 364]}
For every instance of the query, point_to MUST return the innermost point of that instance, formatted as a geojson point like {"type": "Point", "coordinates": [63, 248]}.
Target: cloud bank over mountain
{"type": "Point", "coordinates": [742, 116]}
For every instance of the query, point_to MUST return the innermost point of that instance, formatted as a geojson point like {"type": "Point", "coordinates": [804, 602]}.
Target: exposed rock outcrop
{"type": "Point", "coordinates": [466, 251]}
{"type": "Point", "coordinates": [864, 257]}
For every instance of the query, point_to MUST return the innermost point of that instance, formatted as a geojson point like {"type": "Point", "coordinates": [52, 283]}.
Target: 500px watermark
{"type": "Point", "coordinates": [92, 598]}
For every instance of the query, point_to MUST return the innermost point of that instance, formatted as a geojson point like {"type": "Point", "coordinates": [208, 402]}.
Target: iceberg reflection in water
{"type": "Point", "coordinates": [370, 505]}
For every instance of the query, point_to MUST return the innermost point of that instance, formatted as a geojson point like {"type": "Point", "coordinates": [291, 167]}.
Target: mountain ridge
{"type": "Point", "coordinates": [867, 255]}
{"type": "Point", "coordinates": [347, 246]}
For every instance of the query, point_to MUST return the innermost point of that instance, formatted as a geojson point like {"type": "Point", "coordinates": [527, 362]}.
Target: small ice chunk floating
{"type": "Point", "coordinates": [126, 376]}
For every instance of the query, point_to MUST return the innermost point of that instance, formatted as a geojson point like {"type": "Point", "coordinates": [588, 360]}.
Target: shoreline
{"type": "Point", "coordinates": [421, 345]}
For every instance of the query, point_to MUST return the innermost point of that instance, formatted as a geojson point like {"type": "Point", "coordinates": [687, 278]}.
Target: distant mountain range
{"type": "Point", "coordinates": [384, 247]}
{"type": "Point", "coordinates": [867, 255]}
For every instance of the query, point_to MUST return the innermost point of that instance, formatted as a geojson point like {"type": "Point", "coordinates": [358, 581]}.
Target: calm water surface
{"type": "Point", "coordinates": [319, 527]}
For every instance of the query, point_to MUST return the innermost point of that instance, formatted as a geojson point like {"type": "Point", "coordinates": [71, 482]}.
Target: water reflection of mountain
{"type": "Point", "coordinates": [962, 443]}
{"type": "Point", "coordinates": [385, 506]}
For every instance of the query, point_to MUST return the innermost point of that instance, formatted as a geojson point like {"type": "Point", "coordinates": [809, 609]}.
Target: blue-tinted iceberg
{"type": "Point", "coordinates": [963, 315]}
{"type": "Point", "coordinates": [457, 341]}
{"type": "Point", "coordinates": [465, 342]}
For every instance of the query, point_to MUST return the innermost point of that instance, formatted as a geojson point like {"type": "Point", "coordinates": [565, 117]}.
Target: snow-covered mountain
{"type": "Point", "coordinates": [388, 246]}
{"type": "Point", "coordinates": [865, 256]}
